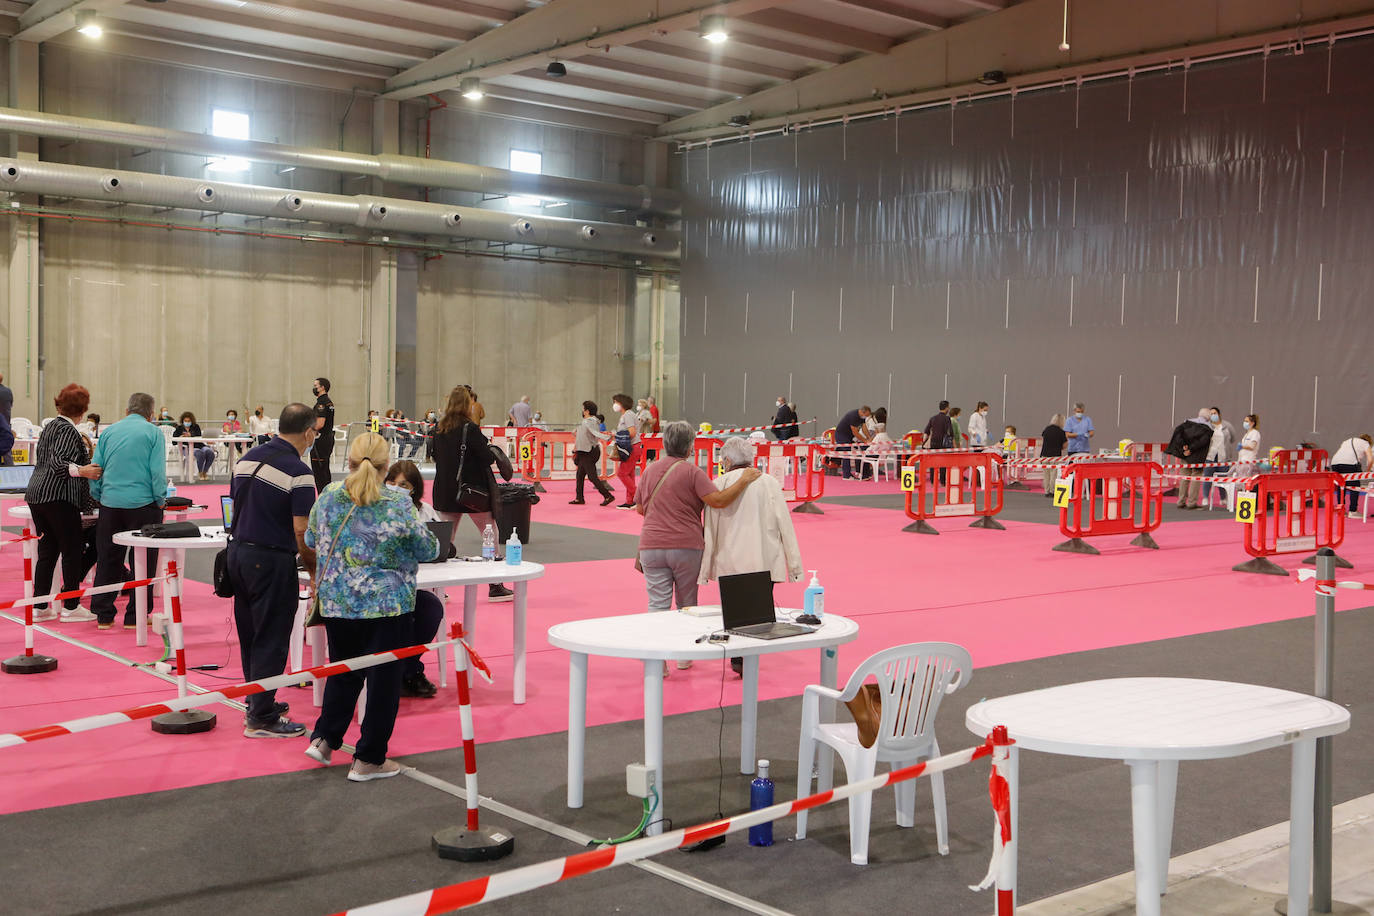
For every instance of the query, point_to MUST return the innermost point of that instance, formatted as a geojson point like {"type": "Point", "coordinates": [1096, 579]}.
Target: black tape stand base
{"type": "Point", "coordinates": [988, 521]}
{"type": "Point", "coordinates": [1144, 540]}
{"type": "Point", "coordinates": [186, 722]}
{"type": "Point", "coordinates": [1262, 565]}
{"type": "Point", "coordinates": [1341, 562]}
{"type": "Point", "coordinates": [808, 509]}
{"type": "Point", "coordinates": [29, 664]}
{"type": "Point", "coordinates": [1077, 545]}
{"type": "Point", "coordinates": [920, 526]}
{"type": "Point", "coordinates": [481, 845]}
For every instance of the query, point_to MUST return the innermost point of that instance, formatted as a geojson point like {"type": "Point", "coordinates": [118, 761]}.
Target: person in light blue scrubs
{"type": "Point", "coordinates": [1079, 429]}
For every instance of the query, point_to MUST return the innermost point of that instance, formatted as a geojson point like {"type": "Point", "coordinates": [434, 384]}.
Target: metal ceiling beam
{"type": "Point", "coordinates": [821, 30]}
{"type": "Point", "coordinates": [916, 17]}
{"type": "Point", "coordinates": [635, 92]}
{"type": "Point", "coordinates": [247, 49]}
{"type": "Point", "coordinates": [354, 14]}
{"type": "Point", "coordinates": [768, 43]}
{"type": "Point", "coordinates": [716, 60]}
{"type": "Point", "coordinates": [1109, 36]}
{"type": "Point", "coordinates": [607, 62]}
{"type": "Point", "coordinates": [502, 102]}
{"type": "Point", "coordinates": [990, 5]}
{"type": "Point", "coordinates": [49, 18]}
{"type": "Point", "coordinates": [492, 14]}
{"type": "Point", "coordinates": [569, 103]}
{"type": "Point", "coordinates": [329, 36]}
{"type": "Point", "coordinates": [557, 30]}
{"type": "Point", "coordinates": [258, 66]}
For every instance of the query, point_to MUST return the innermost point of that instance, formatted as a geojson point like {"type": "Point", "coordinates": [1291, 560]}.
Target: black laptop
{"type": "Point", "coordinates": [746, 603]}
{"type": "Point", "coordinates": [14, 480]}
{"type": "Point", "coordinates": [444, 532]}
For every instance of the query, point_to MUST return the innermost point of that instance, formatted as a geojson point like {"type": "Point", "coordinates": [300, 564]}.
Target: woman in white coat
{"type": "Point", "coordinates": [752, 534]}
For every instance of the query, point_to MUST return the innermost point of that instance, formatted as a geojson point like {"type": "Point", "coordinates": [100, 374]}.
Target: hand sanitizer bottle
{"type": "Point", "coordinates": [814, 600]}
{"type": "Point", "coordinates": [514, 549]}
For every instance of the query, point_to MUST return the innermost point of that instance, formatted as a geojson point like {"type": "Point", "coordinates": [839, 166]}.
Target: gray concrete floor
{"type": "Point", "coordinates": [1245, 875]}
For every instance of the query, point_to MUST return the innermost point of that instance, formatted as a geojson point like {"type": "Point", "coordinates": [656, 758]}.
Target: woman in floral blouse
{"type": "Point", "coordinates": [370, 543]}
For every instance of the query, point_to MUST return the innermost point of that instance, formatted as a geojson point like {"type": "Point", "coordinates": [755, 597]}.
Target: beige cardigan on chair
{"type": "Point", "coordinates": [753, 533]}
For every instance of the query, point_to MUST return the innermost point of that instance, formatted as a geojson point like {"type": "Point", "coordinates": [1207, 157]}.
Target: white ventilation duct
{"type": "Point", "coordinates": [391, 214]}
{"type": "Point", "coordinates": [412, 170]}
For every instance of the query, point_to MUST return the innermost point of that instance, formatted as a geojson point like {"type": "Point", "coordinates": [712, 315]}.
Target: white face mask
{"type": "Point", "coordinates": [617, 408]}
{"type": "Point", "coordinates": [397, 487]}
{"type": "Point", "coordinates": [780, 403]}
{"type": "Point", "coordinates": [230, 416]}
{"type": "Point", "coordinates": [1078, 415]}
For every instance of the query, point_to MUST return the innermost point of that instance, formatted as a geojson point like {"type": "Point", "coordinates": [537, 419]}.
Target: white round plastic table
{"type": "Point", "coordinates": [655, 637]}
{"type": "Point", "coordinates": [468, 574]}
{"type": "Point", "coordinates": [1152, 723]}
{"type": "Point", "coordinates": [208, 538]}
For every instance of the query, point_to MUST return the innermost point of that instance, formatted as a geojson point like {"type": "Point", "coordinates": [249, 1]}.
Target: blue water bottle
{"type": "Point", "coordinates": [761, 796]}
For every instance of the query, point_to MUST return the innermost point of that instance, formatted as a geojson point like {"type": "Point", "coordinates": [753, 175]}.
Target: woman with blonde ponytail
{"type": "Point", "coordinates": [369, 543]}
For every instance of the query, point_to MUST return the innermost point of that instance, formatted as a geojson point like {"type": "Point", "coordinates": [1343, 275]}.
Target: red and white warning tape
{"type": "Point", "coordinates": [759, 429]}
{"type": "Point", "coordinates": [147, 711]}
{"type": "Point", "coordinates": [1328, 587]}
{"type": "Point", "coordinates": [79, 592]}
{"type": "Point", "coordinates": [519, 880]}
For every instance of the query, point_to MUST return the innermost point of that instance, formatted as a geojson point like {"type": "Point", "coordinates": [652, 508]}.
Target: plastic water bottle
{"type": "Point", "coordinates": [814, 597]}
{"type": "Point", "coordinates": [489, 542]}
{"type": "Point", "coordinates": [514, 549]}
{"type": "Point", "coordinates": [761, 796]}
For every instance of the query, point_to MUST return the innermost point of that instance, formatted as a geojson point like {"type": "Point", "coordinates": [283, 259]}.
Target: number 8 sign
{"type": "Point", "coordinates": [1246, 506]}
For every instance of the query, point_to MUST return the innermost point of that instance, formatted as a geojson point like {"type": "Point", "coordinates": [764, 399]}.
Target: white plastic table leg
{"type": "Point", "coordinates": [830, 667]}
{"type": "Point", "coordinates": [140, 597]}
{"type": "Point", "coordinates": [1145, 831]}
{"type": "Point", "coordinates": [296, 648]}
{"type": "Point", "coordinates": [749, 714]}
{"type": "Point", "coordinates": [470, 612]}
{"type": "Point", "coordinates": [1300, 824]}
{"type": "Point", "coordinates": [519, 637]}
{"type": "Point", "coordinates": [1168, 784]}
{"type": "Point", "coordinates": [577, 725]}
{"type": "Point", "coordinates": [653, 734]}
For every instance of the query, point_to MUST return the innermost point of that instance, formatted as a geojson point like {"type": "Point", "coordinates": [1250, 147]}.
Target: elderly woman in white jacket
{"type": "Point", "coordinates": [754, 533]}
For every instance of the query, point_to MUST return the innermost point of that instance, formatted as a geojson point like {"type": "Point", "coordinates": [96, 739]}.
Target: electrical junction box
{"type": "Point", "coordinates": [639, 780]}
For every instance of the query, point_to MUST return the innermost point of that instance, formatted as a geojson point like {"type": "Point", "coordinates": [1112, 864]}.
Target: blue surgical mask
{"type": "Point", "coordinates": [1246, 424]}
{"type": "Point", "coordinates": [397, 487]}
{"type": "Point", "coordinates": [1216, 417]}
{"type": "Point", "coordinates": [186, 423]}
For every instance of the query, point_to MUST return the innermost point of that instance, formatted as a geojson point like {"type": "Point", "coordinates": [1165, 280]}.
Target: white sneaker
{"type": "Point", "coordinates": [683, 666]}
{"type": "Point", "coordinates": [319, 751]}
{"type": "Point", "coordinates": [47, 613]}
{"type": "Point", "coordinates": [366, 772]}
{"type": "Point", "coordinates": [77, 614]}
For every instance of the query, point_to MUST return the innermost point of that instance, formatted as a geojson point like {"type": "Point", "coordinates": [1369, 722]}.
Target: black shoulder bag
{"type": "Point", "coordinates": [224, 586]}
{"type": "Point", "coordinates": [470, 498]}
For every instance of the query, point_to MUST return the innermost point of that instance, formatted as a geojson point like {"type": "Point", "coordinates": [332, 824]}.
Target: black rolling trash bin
{"type": "Point", "coordinates": [516, 500]}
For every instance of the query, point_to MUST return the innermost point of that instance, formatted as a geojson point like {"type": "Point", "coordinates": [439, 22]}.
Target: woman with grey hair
{"type": "Point", "coordinates": [754, 533]}
{"type": "Point", "coordinates": [672, 493]}
{"type": "Point", "coordinates": [1052, 442]}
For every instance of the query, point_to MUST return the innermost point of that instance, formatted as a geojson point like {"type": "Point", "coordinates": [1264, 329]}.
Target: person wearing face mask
{"type": "Point", "coordinates": [978, 426]}
{"type": "Point", "coordinates": [784, 420]}
{"type": "Point", "coordinates": [628, 449]}
{"type": "Point", "coordinates": [188, 428]}
{"type": "Point", "coordinates": [1219, 451]}
{"type": "Point", "coordinates": [1248, 453]}
{"type": "Point", "coordinates": [273, 491]}
{"type": "Point", "coordinates": [258, 427]}
{"type": "Point", "coordinates": [164, 418]}
{"type": "Point", "coordinates": [1190, 442]}
{"type": "Point", "coordinates": [1079, 430]}
{"type": "Point", "coordinates": [323, 449]}
{"type": "Point", "coordinates": [232, 427]}
{"type": "Point", "coordinates": [427, 428]}
{"type": "Point", "coordinates": [404, 477]}
{"type": "Point", "coordinates": [537, 421]}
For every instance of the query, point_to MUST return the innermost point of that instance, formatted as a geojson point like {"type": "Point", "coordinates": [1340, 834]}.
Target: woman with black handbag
{"type": "Point", "coordinates": [463, 483]}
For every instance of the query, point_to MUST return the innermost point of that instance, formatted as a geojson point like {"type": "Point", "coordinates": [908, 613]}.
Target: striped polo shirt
{"type": "Point", "coordinates": [266, 504]}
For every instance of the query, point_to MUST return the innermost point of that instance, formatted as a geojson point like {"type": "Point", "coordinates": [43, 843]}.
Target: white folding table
{"type": "Point", "coordinates": [655, 637]}
{"type": "Point", "coordinates": [1152, 723]}
{"type": "Point", "coordinates": [209, 538]}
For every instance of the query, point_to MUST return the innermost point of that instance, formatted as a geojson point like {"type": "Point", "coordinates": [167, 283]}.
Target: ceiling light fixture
{"type": "Point", "coordinates": [992, 77]}
{"type": "Point", "coordinates": [713, 29]}
{"type": "Point", "coordinates": [1064, 38]}
{"type": "Point", "coordinates": [86, 24]}
{"type": "Point", "coordinates": [555, 70]}
{"type": "Point", "coordinates": [471, 88]}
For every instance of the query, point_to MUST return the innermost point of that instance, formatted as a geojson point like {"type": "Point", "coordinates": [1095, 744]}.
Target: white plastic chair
{"type": "Point", "coordinates": [1227, 489]}
{"type": "Point", "coordinates": [912, 680]}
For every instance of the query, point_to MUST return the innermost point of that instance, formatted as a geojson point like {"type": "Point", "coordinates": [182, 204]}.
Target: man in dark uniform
{"type": "Point", "coordinates": [323, 448]}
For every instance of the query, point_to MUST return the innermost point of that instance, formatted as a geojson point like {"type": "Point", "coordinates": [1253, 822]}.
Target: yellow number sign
{"type": "Point", "coordinates": [1063, 490]}
{"type": "Point", "coordinates": [526, 451]}
{"type": "Point", "coordinates": [908, 478]}
{"type": "Point", "coordinates": [374, 424]}
{"type": "Point", "coordinates": [1246, 506]}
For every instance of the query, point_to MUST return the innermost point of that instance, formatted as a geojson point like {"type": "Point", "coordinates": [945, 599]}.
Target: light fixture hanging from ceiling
{"type": "Point", "coordinates": [713, 29]}
{"type": "Point", "coordinates": [1064, 38]}
{"type": "Point", "coordinates": [87, 25]}
{"type": "Point", "coordinates": [555, 70]}
{"type": "Point", "coordinates": [471, 88]}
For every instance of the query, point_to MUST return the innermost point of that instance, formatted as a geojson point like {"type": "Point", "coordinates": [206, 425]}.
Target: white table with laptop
{"type": "Point", "coordinates": [168, 548]}
{"type": "Point", "coordinates": [435, 576]}
{"type": "Point", "coordinates": [1151, 723]}
{"type": "Point", "coordinates": [745, 625]}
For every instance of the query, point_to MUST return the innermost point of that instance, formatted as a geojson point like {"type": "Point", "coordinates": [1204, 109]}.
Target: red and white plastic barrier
{"type": "Point", "coordinates": [1108, 498]}
{"type": "Point", "coordinates": [1293, 513]}
{"type": "Point", "coordinates": [518, 880]}
{"type": "Point", "coordinates": [149, 710]}
{"type": "Point", "coordinates": [950, 483]}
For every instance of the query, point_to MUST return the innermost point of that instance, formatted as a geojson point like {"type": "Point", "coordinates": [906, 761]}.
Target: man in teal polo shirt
{"type": "Point", "coordinates": [132, 489]}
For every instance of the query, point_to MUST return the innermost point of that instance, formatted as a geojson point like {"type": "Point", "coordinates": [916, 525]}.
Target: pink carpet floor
{"type": "Point", "coordinates": [1003, 594]}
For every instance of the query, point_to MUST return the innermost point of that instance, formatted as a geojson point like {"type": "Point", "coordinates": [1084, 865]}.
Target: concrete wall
{"type": "Point", "coordinates": [208, 321]}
